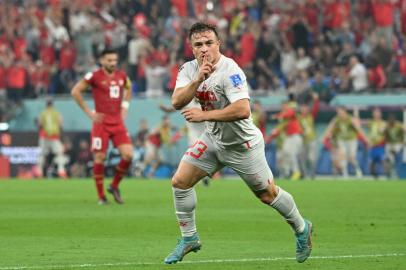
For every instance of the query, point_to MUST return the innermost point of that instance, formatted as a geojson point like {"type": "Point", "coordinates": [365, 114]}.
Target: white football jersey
{"type": "Point", "coordinates": [227, 84]}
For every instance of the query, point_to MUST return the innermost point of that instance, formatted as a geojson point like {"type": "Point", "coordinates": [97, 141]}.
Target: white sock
{"type": "Point", "coordinates": [185, 203]}
{"type": "Point", "coordinates": [286, 206]}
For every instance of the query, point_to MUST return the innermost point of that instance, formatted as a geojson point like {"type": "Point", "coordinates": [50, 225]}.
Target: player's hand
{"type": "Point", "coordinates": [205, 69]}
{"type": "Point", "coordinates": [124, 113]}
{"type": "Point", "coordinates": [194, 115]}
{"type": "Point", "coordinates": [96, 117]}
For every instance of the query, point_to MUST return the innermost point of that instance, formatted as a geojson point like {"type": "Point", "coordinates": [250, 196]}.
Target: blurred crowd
{"type": "Point", "coordinates": [293, 46]}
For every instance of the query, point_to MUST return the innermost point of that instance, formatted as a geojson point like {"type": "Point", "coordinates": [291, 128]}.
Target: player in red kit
{"type": "Point", "coordinates": [111, 91]}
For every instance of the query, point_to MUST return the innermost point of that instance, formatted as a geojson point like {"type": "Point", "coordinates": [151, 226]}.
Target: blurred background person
{"type": "Point", "coordinates": [307, 118]}
{"type": "Point", "coordinates": [376, 140]}
{"type": "Point", "coordinates": [50, 127]}
{"type": "Point", "coordinates": [394, 138]}
{"type": "Point", "coordinates": [82, 164]}
{"type": "Point", "coordinates": [139, 141]}
{"type": "Point", "coordinates": [293, 140]}
{"type": "Point", "coordinates": [345, 129]}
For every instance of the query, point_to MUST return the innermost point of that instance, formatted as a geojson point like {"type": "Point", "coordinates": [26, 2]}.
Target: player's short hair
{"type": "Point", "coordinates": [49, 102]}
{"type": "Point", "coordinates": [108, 51]}
{"type": "Point", "coordinates": [200, 27]}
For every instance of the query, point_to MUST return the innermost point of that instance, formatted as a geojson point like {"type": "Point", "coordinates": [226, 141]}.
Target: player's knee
{"type": "Point", "coordinates": [127, 156]}
{"type": "Point", "coordinates": [178, 183]}
{"type": "Point", "coordinates": [99, 157]}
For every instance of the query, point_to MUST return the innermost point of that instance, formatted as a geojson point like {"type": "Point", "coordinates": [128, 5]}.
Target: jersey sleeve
{"type": "Point", "coordinates": [183, 77]}
{"type": "Point", "coordinates": [235, 85]}
{"type": "Point", "coordinates": [89, 78]}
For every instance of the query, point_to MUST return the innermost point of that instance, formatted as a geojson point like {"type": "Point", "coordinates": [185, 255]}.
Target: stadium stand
{"type": "Point", "coordinates": [351, 53]}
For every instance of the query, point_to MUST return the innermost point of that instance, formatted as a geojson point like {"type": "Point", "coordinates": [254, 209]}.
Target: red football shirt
{"type": "Point", "coordinates": [107, 93]}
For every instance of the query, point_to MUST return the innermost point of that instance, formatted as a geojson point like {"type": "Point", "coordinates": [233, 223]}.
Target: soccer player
{"type": "Point", "coordinates": [111, 90]}
{"type": "Point", "coordinates": [376, 140]}
{"type": "Point", "coordinates": [394, 137]}
{"type": "Point", "coordinates": [346, 130]}
{"type": "Point", "coordinates": [230, 139]}
{"type": "Point", "coordinates": [50, 123]}
{"type": "Point", "coordinates": [309, 151]}
{"type": "Point", "coordinates": [293, 141]}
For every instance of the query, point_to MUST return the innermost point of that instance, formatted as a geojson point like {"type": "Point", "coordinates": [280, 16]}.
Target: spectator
{"type": "Point", "coordinates": [16, 82]}
{"type": "Point", "coordinates": [383, 15]}
{"type": "Point", "coordinates": [320, 86]}
{"type": "Point", "coordinates": [303, 60]}
{"type": "Point", "coordinates": [358, 74]}
{"type": "Point", "coordinates": [155, 78]}
{"type": "Point", "coordinates": [82, 164]}
{"type": "Point", "coordinates": [288, 60]}
{"type": "Point", "coordinates": [50, 124]}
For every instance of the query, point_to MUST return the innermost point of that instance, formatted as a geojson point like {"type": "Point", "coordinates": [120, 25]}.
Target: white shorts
{"type": "Point", "coordinates": [247, 160]}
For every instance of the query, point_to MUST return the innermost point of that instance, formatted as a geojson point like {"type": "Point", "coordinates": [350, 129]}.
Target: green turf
{"type": "Point", "coordinates": [58, 225]}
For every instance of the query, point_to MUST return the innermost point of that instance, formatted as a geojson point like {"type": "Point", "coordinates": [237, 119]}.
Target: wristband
{"type": "Point", "coordinates": [125, 104]}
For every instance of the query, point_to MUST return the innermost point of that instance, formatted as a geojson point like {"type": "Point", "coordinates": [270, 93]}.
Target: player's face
{"type": "Point", "coordinates": [205, 44]}
{"type": "Point", "coordinates": [109, 62]}
{"type": "Point", "coordinates": [341, 113]}
{"type": "Point", "coordinates": [304, 109]}
{"type": "Point", "coordinates": [377, 114]}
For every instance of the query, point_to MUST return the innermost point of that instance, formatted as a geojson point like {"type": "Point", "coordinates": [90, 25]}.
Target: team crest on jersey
{"type": "Point", "coordinates": [120, 82]}
{"type": "Point", "coordinates": [236, 80]}
{"type": "Point", "coordinates": [206, 96]}
{"type": "Point", "coordinates": [204, 87]}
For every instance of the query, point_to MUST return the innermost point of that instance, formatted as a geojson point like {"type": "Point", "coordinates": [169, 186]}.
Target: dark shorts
{"type": "Point", "coordinates": [377, 153]}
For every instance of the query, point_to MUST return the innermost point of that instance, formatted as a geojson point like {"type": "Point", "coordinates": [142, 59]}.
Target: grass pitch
{"type": "Point", "coordinates": [57, 224]}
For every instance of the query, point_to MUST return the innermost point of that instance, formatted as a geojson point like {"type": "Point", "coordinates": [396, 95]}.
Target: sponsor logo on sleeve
{"type": "Point", "coordinates": [236, 80]}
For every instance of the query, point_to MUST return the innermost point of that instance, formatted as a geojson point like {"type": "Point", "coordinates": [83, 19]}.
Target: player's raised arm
{"type": "Point", "coordinates": [183, 95]}
{"type": "Point", "coordinates": [76, 93]}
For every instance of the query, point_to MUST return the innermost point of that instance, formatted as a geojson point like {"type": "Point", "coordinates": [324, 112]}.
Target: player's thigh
{"type": "Point", "coordinates": [44, 146]}
{"type": "Point", "coordinates": [151, 151]}
{"type": "Point", "coordinates": [296, 143]}
{"type": "Point", "coordinates": [203, 155]}
{"type": "Point", "coordinates": [377, 153]}
{"type": "Point", "coordinates": [99, 138]}
{"type": "Point", "coordinates": [119, 135]}
{"type": "Point", "coordinates": [312, 150]}
{"type": "Point", "coordinates": [341, 149]}
{"type": "Point", "coordinates": [352, 148]}
{"type": "Point", "coordinates": [251, 165]}
{"type": "Point", "coordinates": [57, 147]}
